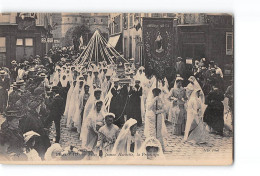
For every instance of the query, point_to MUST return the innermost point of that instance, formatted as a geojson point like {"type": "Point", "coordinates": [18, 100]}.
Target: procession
{"type": "Point", "coordinates": [113, 107]}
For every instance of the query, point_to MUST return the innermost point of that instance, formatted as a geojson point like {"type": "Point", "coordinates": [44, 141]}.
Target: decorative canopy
{"type": "Point", "coordinates": [97, 50]}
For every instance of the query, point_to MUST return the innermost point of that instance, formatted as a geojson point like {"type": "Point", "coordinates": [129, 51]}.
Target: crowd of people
{"type": "Point", "coordinates": [105, 108]}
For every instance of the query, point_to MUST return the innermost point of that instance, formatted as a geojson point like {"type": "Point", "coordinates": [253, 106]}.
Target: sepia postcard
{"type": "Point", "coordinates": [117, 88]}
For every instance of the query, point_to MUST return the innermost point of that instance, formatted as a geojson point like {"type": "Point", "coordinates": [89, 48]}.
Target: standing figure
{"type": "Point", "coordinates": [134, 104]}
{"type": "Point", "coordinates": [195, 129]}
{"type": "Point", "coordinates": [214, 113]}
{"type": "Point", "coordinates": [10, 129]}
{"type": "Point", "coordinates": [154, 119]}
{"type": "Point", "coordinates": [90, 128]}
{"type": "Point", "coordinates": [56, 111]}
{"type": "Point", "coordinates": [116, 101]}
{"type": "Point", "coordinates": [4, 88]}
{"type": "Point", "coordinates": [177, 111]}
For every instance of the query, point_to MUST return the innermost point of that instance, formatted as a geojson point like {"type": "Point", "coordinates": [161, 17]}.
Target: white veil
{"type": "Point", "coordinates": [152, 142]}
{"type": "Point", "coordinates": [122, 139]}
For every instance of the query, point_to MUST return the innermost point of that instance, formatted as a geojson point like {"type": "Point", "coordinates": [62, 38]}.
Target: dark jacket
{"type": "Point", "coordinates": [56, 108]}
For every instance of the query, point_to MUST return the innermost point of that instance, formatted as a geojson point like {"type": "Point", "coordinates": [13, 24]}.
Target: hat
{"type": "Point", "coordinates": [37, 56]}
{"type": "Point", "coordinates": [28, 135]}
{"type": "Point", "coordinates": [11, 114]}
{"type": "Point", "coordinates": [110, 115]}
{"type": "Point", "coordinates": [2, 72]}
{"type": "Point", "coordinates": [178, 78]}
{"type": "Point", "coordinates": [42, 75]}
{"type": "Point", "coordinates": [13, 62]}
{"type": "Point", "coordinates": [19, 83]}
{"type": "Point", "coordinates": [132, 59]}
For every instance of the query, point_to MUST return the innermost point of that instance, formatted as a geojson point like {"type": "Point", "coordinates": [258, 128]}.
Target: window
{"type": "Point", "coordinates": [101, 20]}
{"type": "Point", "coordinates": [2, 44]}
{"type": "Point", "coordinates": [229, 43]}
{"type": "Point", "coordinates": [19, 42]}
{"type": "Point", "coordinates": [76, 19]}
{"type": "Point", "coordinates": [94, 20]}
{"type": "Point", "coordinates": [28, 42]}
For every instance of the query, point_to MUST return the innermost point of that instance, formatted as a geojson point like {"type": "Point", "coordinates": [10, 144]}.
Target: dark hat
{"type": "Point", "coordinates": [20, 82]}
{"type": "Point", "coordinates": [12, 113]}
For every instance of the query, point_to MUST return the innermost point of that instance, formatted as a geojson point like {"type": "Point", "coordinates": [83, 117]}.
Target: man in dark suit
{"type": "Point", "coordinates": [4, 88]}
{"type": "Point", "coordinates": [56, 111]}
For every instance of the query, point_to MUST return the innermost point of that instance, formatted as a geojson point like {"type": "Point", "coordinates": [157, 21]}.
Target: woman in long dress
{"type": "Point", "coordinates": [89, 132]}
{"type": "Point", "coordinates": [68, 98]}
{"type": "Point", "coordinates": [154, 119]}
{"type": "Point", "coordinates": [214, 113]}
{"type": "Point", "coordinates": [87, 109]}
{"type": "Point", "coordinates": [79, 107]}
{"type": "Point", "coordinates": [128, 142]}
{"type": "Point", "coordinates": [178, 111]}
{"type": "Point", "coordinates": [195, 129]}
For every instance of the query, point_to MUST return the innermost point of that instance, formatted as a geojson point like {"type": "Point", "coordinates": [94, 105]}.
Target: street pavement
{"type": "Point", "coordinates": [216, 147]}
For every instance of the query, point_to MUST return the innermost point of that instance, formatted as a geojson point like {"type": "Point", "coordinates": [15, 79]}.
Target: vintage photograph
{"type": "Point", "coordinates": [117, 88]}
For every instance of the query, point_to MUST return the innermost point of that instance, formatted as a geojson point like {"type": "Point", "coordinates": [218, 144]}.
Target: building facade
{"type": "Point", "coordinates": [21, 36]}
{"type": "Point", "coordinates": [92, 21]}
{"type": "Point", "coordinates": [195, 35]}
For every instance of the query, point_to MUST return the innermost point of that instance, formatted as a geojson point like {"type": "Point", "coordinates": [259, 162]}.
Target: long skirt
{"type": "Point", "coordinates": [214, 116]}
{"type": "Point", "coordinates": [180, 121]}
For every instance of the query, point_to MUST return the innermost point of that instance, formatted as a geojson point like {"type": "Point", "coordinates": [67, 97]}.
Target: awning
{"type": "Point", "coordinates": [112, 41]}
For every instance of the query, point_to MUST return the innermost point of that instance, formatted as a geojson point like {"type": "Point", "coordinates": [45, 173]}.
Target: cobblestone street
{"type": "Point", "coordinates": [216, 148]}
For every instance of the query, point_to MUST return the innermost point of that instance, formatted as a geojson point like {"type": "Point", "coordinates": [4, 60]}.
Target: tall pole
{"type": "Point", "coordinates": [156, 115]}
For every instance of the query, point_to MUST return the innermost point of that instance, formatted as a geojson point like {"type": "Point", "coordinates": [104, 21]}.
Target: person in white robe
{"type": "Point", "coordinates": [78, 106]}
{"type": "Point", "coordinates": [107, 135]}
{"type": "Point", "coordinates": [68, 100]}
{"type": "Point", "coordinates": [128, 142]}
{"type": "Point", "coordinates": [154, 119]}
{"type": "Point", "coordinates": [89, 131]}
{"type": "Point", "coordinates": [106, 85]}
{"type": "Point", "coordinates": [195, 129]}
{"type": "Point", "coordinates": [56, 77]}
